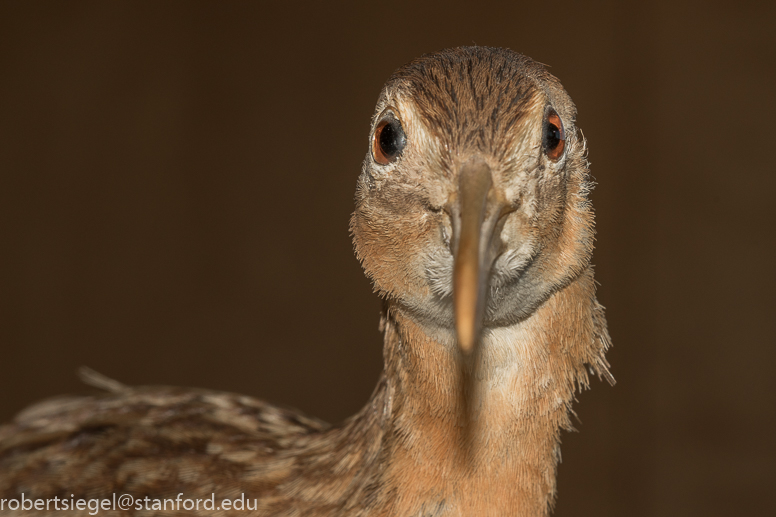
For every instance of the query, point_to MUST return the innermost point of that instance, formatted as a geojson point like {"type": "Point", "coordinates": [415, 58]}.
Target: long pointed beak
{"type": "Point", "coordinates": [473, 254]}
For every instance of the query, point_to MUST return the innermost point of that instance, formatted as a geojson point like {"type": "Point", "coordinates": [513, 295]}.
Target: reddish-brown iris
{"type": "Point", "coordinates": [388, 140]}
{"type": "Point", "coordinates": [554, 136]}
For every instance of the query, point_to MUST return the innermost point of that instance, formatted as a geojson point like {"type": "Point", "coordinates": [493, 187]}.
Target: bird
{"type": "Point", "coordinates": [474, 224]}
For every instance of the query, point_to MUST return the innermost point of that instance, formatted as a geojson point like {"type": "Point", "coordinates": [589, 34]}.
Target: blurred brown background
{"type": "Point", "coordinates": [176, 180]}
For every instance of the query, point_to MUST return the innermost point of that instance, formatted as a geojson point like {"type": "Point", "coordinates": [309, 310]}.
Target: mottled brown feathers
{"type": "Point", "coordinates": [161, 441]}
{"type": "Point", "coordinates": [477, 94]}
{"type": "Point", "coordinates": [427, 443]}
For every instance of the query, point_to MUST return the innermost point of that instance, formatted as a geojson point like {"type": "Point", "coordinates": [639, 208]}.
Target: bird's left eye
{"type": "Point", "coordinates": [554, 138]}
{"type": "Point", "coordinates": [388, 141]}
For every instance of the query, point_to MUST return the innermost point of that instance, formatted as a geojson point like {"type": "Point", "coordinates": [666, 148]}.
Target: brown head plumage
{"type": "Point", "coordinates": [464, 109]}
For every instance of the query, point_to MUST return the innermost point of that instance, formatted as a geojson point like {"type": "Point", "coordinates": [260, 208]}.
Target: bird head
{"type": "Point", "coordinates": [471, 207]}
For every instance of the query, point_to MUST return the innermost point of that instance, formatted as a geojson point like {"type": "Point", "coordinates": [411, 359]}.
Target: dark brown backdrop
{"type": "Point", "coordinates": [176, 180]}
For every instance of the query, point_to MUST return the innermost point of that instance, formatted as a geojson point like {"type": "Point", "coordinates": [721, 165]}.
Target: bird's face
{"type": "Point", "coordinates": [472, 203]}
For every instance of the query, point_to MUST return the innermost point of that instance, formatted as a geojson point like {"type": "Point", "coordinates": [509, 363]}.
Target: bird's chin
{"type": "Point", "coordinates": [515, 290]}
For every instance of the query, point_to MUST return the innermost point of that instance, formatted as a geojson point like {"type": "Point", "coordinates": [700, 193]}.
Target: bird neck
{"type": "Point", "coordinates": [527, 375]}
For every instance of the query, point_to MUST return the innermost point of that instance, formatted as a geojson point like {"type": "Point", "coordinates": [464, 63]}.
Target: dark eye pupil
{"type": "Point", "coordinates": [392, 139]}
{"type": "Point", "coordinates": [551, 136]}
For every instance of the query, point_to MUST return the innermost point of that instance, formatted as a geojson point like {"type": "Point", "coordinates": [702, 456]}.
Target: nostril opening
{"type": "Point", "coordinates": [450, 223]}
{"type": "Point", "coordinates": [447, 228]}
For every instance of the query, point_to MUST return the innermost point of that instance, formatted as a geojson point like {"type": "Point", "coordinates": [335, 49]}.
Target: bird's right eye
{"type": "Point", "coordinates": [554, 138]}
{"type": "Point", "coordinates": [388, 141]}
